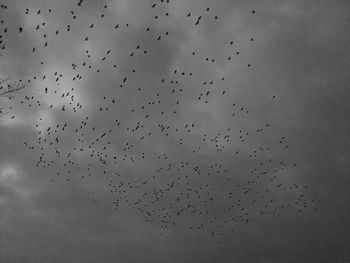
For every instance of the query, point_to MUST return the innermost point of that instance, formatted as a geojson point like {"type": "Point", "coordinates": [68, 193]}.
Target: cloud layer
{"type": "Point", "coordinates": [146, 136]}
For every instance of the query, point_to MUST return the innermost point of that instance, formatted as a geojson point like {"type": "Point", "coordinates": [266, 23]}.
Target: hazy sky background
{"type": "Point", "coordinates": [296, 82]}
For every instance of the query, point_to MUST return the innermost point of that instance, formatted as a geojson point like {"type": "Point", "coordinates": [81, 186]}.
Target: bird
{"type": "Point", "coordinates": [155, 115]}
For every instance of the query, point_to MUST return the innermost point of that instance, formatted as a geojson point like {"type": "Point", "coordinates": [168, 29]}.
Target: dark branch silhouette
{"type": "Point", "coordinates": [9, 88]}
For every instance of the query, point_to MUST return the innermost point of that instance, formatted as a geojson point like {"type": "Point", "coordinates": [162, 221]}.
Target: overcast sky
{"type": "Point", "coordinates": [175, 131]}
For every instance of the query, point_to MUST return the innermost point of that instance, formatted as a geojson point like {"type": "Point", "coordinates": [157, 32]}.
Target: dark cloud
{"type": "Point", "coordinates": [294, 89]}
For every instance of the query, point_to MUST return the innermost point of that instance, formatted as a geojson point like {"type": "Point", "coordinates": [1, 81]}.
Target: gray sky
{"type": "Point", "coordinates": [128, 147]}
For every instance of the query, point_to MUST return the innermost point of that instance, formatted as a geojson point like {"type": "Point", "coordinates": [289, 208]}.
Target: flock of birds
{"type": "Point", "coordinates": [138, 139]}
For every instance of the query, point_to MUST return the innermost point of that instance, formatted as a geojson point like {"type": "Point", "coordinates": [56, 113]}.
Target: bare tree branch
{"type": "Point", "coordinates": [4, 80]}
{"type": "Point", "coordinates": [10, 89]}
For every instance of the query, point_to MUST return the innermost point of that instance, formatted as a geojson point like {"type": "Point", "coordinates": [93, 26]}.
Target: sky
{"type": "Point", "coordinates": [175, 131]}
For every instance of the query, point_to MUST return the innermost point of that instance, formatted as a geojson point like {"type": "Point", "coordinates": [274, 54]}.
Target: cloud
{"type": "Point", "coordinates": [269, 145]}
